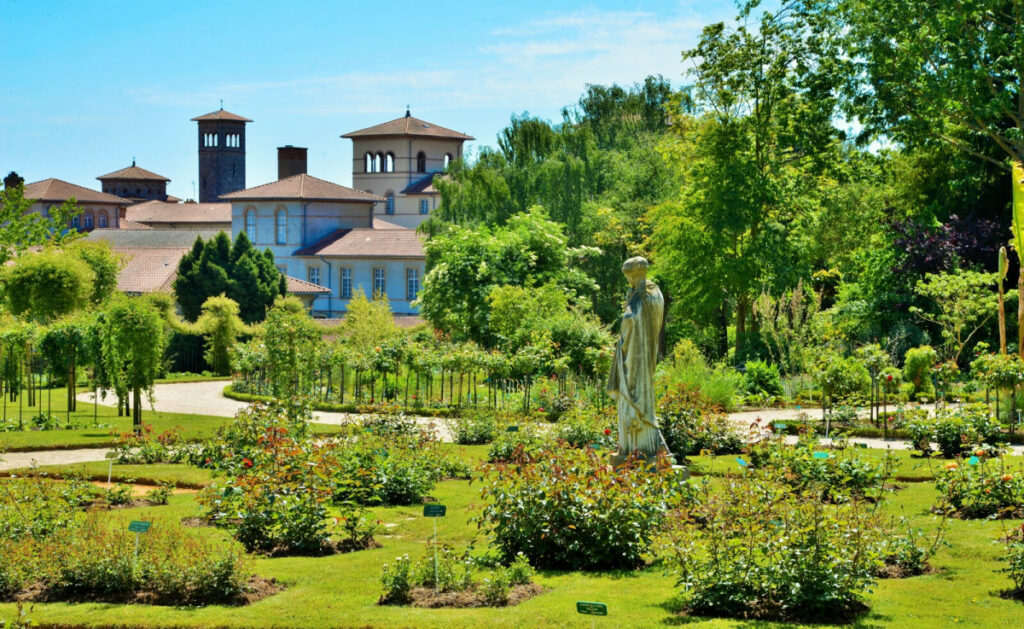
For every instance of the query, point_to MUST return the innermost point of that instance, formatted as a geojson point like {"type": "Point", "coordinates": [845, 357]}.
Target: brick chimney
{"type": "Point", "coordinates": [291, 160]}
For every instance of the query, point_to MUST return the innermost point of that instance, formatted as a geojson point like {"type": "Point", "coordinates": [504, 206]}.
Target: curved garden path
{"type": "Point", "coordinates": [207, 398]}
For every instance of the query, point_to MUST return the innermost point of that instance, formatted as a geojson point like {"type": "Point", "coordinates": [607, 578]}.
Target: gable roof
{"type": "Point", "coordinates": [304, 187]}
{"type": "Point", "coordinates": [408, 125]}
{"type": "Point", "coordinates": [221, 114]}
{"type": "Point", "coordinates": [134, 173]}
{"type": "Point", "coordinates": [295, 286]}
{"type": "Point", "coordinates": [161, 212]}
{"type": "Point", "coordinates": [59, 190]}
{"type": "Point", "coordinates": [367, 243]}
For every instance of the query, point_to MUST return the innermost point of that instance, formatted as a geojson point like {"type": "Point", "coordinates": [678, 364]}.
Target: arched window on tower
{"type": "Point", "coordinates": [250, 224]}
{"type": "Point", "coordinates": [389, 162]}
{"type": "Point", "coordinates": [447, 159]}
{"type": "Point", "coordinates": [389, 203]}
{"type": "Point", "coordinates": [376, 163]}
{"type": "Point", "coordinates": [421, 162]}
{"type": "Point", "coordinates": [368, 162]}
{"type": "Point", "coordinates": [281, 221]}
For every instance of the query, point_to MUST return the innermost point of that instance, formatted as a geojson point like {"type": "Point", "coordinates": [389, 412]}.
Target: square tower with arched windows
{"type": "Point", "coordinates": [221, 154]}
{"type": "Point", "coordinates": [398, 161]}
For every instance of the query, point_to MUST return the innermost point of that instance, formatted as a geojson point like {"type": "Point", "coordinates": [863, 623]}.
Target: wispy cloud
{"type": "Point", "coordinates": [539, 64]}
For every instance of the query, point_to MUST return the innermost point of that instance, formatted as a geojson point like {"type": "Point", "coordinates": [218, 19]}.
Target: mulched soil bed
{"type": "Point", "coordinates": [1013, 595]}
{"type": "Point", "coordinates": [773, 613]}
{"type": "Point", "coordinates": [427, 597]}
{"type": "Point", "coordinates": [891, 571]}
{"type": "Point", "coordinates": [256, 589]}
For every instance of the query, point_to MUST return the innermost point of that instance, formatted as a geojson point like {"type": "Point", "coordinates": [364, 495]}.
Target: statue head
{"type": "Point", "coordinates": [635, 270]}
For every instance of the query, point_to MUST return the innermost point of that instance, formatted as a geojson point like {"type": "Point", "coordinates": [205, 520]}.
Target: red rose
{"type": "Point", "coordinates": [207, 461]}
{"type": "Point", "coordinates": [607, 431]}
{"type": "Point", "coordinates": [889, 377]}
{"type": "Point", "coordinates": [247, 462]}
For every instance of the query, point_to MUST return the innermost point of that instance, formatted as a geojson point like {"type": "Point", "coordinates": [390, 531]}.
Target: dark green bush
{"type": "Point", "coordinates": [762, 377]}
{"type": "Point", "coordinates": [692, 425]}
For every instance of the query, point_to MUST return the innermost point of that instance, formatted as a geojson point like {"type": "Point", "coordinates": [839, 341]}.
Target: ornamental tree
{"type": "Point", "coordinates": [964, 303]}
{"type": "Point", "coordinates": [133, 349]}
{"type": "Point", "coordinates": [47, 285]}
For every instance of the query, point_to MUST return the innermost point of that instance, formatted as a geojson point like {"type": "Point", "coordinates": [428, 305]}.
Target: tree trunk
{"type": "Point", "coordinates": [1002, 318]}
{"type": "Point", "coordinates": [723, 341]}
{"type": "Point", "coordinates": [741, 325]}
{"type": "Point", "coordinates": [137, 410]}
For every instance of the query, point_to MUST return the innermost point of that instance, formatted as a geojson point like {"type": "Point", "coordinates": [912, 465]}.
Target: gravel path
{"type": "Point", "coordinates": [206, 398]}
{"type": "Point", "coordinates": [15, 460]}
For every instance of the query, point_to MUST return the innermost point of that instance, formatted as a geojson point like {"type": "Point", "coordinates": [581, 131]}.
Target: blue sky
{"type": "Point", "coordinates": [89, 85]}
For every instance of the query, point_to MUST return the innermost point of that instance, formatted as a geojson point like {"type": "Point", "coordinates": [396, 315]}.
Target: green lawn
{"type": "Point", "coordinates": [99, 425]}
{"type": "Point", "coordinates": [341, 590]}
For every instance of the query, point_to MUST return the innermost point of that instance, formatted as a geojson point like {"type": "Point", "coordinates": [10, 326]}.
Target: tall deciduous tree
{"type": "Point", "coordinates": [20, 228]}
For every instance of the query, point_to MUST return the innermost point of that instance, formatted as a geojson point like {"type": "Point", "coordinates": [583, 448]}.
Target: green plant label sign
{"type": "Point", "coordinates": [434, 511]}
{"type": "Point", "coordinates": [591, 609]}
{"type": "Point", "coordinates": [821, 455]}
{"type": "Point", "coordinates": [973, 460]}
{"type": "Point", "coordinates": [741, 462]}
{"type": "Point", "coordinates": [780, 427]}
{"type": "Point", "coordinates": [512, 429]}
{"type": "Point", "coordinates": [138, 526]}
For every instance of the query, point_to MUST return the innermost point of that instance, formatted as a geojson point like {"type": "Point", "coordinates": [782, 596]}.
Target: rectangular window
{"type": "Point", "coordinates": [378, 281]}
{"type": "Point", "coordinates": [412, 283]}
{"type": "Point", "coordinates": [424, 207]}
{"type": "Point", "coordinates": [346, 282]}
{"type": "Point", "coordinates": [314, 275]}
{"type": "Point", "coordinates": [389, 207]}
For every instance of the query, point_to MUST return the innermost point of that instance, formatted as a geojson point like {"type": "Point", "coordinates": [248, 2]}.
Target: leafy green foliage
{"type": "Point", "coordinates": [692, 425]}
{"type": "Point", "coordinates": [965, 303]}
{"type": "Point", "coordinates": [238, 271]}
{"type": "Point", "coordinates": [133, 342]}
{"type": "Point", "coordinates": [987, 489]}
{"type": "Point", "coordinates": [46, 285]}
{"type": "Point", "coordinates": [21, 228]}
{"type": "Point", "coordinates": [566, 508]}
{"type": "Point", "coordinates": [957, 431]}
{"type": "Point", "coordinates": [762, 378]}
{"type": "Point", "coordinates": [756, 549]}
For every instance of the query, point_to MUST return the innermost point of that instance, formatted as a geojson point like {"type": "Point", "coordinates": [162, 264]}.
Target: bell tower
{"type": "Point", "coordinates": [221, 154]}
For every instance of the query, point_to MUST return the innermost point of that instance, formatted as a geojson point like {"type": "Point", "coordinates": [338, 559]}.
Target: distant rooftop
{"type": "Point", "coordinates": [134, 173]}
{"type": "Point", "coordinates": [221, 114]}
{"type": "Point", "coordinates": [58, 190]}
{"type": "Point", "coordinates": [161, 212]}
{"type": "Point", "coordinates": [120, 238]}
{"type": "Point", "coordinates": [303, 187]}
{"type": "Point", "coordinates": [408, 125]}
{"type": "Point", "coordinates": [367, 243]}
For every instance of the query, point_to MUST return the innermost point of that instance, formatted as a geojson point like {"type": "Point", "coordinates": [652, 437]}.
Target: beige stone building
{"type": "Point", "coordinates": [99, 209]}
{"type": "Point", "coordinates": [398, 160]}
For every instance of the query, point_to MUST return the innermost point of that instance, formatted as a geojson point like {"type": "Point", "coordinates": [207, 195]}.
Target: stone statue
{"type": "Point", "coordinates": [631, 382]}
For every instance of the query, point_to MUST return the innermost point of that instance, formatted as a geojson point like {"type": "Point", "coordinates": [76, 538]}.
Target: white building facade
{"type": "Point", "coordinates": [327, 234]}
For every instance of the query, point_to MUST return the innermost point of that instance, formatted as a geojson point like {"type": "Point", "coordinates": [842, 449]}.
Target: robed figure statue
{"type": "Point", "coordinates": [631, 381]}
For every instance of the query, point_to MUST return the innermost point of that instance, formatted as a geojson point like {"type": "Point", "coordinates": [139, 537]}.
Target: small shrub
{"type": "Point", "coordinates": [474, 427]}
{"type": "Point", "coordinates": [588, 427]}
{"type": "Point", "coordinates": [1015, 567]}
{"type": "Point", "coordinates": [510, 445]}
{"type": "Point", "coordinates": [917, 364]}
{"type": "Point", "coordinates": [391, 424]}
{"type": "Point", "coordinates": [565, 508]}
{"type": "Point", "coordinates": [160, 495]}
{"type": "Point", "coordinates": [762, 378]}
{"type": "Point", "coordinates": [451, 574]}
{"type": "Point", "coordinates": [119, 494]}
{"type": "Point", "coordinates": [520, 572]}
{"type": "Point", "coordinates": [768, 552]}
{"type": "Point", "coordinates": [145, 448]}
{"type": "Point", "coordinates": [396, 579]}
{"type": "Point", "coordinates": [496, 587]}
{"type": "Point", "coordinates": [956, 431]}
{"type": "Point", "coordinates": [690, 424]}
{"type": "Point", "coordinates": [980, 491]}
{"type": "Point", "coordinates": [906, 552]}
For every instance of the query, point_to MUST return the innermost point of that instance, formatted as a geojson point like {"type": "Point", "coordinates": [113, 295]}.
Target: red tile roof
{"type": "Point", "coordinates": [161, 212]}
{"type": "Point", "coordinates": [58, 190]}
{"type": "Point", "coordinates": [302, 187]}
{"type": "Point", "coordinates": [408, 125]}
{"type": "Point", "coordinates": [126, 224]}
{"type": "Point", "coordinates": [220, 114]}
{"type": "Point", "coordinates": [302, 287]}
{"type": "Point", "coordinates": [134, 173]}
{"type": "Point", "coordinates": [149, 269]}
{"type": "Point", "coordinates": [367, 243]}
